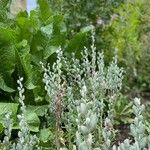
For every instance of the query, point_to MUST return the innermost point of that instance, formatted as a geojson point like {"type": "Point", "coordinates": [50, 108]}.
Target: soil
{"type": "Point", "coordinates": [124, 129]}
{"type": "Point", "coordinates": [123, 133]}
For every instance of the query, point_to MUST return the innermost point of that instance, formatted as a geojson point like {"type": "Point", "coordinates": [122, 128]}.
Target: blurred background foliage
{"type": "Point", "coordinates": [144, 69]}
{"type": "Point", "coordinates": [80, 13]}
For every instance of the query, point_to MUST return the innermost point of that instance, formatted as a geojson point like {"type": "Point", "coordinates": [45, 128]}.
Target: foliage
{"type": "Point", "coordinates": [122, 37]}
{"type": "Point", "coordinates": [5, 108]}
{"type": "Point", "coordinates": [143, 68]}
{"type": "Point", "coordinates": [89, 112]}
{"type": "Point", "coordinates": [119, 28]}
{"type": "Point", "coordinates": [25, 141]}
{"type": "Point", "coordinates": [71, 97]}
{"type": "Point", "coordinates": [3, 9]}
{"type": "Point", "coordinates": [141, 140]}
{"type": "Point", "coordinates": [86, 89]}
{"type": "Point", "coordinates": [123, 110]}
{"type": "Point", "coordinates": [81, 13]}
{"type": "Point", "coordinates": [27, 40]}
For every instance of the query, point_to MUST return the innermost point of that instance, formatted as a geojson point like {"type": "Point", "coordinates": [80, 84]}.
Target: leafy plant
{"type": "Point", "coordinates": [82, 13]}
{"type": "Point", "coordinates": [86, 89]}
{"type": "Point", "coordinates": [143, 69]}
{"type": "Point", "coordinates": [27, 40]}
{"type": "Point", "coordinates": [141, 140]}
{"type": "Point", "coordinates": [122, 37]}
{"type": "Point", "coordinates": [123, 110]}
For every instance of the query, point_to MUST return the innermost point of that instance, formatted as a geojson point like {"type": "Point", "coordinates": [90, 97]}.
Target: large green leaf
{"type": "Point", "coordinates": [6, 34]}
{"type": "Point", "coordinates": [77, 43]}
{"type": "Point", "coordinates": [8, 107]}
{"type": "Point", "coordinates": [7, 65]}
{"type": "Point", "coordinates": [3, 8]}
{"type": "Point", "coordinates": [32, 120]}
{"type": "Point", "coordinates": [39, 110]}
{"type": "Point", "coordinates": [59, 25]}
{"type": "Point", "coordinates": [45, 135]}
{"type": "Point", "coordinates": [49, 50]}
{"type": "Point", "coordinates": [4, 87]}
{"type": "Point", "coordinates": [45, 10]}
{"type": "Point", "coordinates": [24, 63]}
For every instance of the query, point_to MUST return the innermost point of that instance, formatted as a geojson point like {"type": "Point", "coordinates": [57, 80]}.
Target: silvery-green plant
{"type": "Point", "coordinates": [137, 128]}
{"type": "Point", "coordinates": [87, 122]}
{"type": "Point", "coordinates": [70, 115]}
{"type": "Point", "coordinates": [107, 134]}
{"type": "Point", "coordinates": [6, 144]}
{"type": "Point", "coordinates": [91, 73]}
{"type": "Point", "coordinates": [98, 80]}
{"type": "Point", "coordinates": [87, 81]}
{"type": "Point", "coordinates": [25, 140]}
{"type": "Point", "coordinates": [55, 86]}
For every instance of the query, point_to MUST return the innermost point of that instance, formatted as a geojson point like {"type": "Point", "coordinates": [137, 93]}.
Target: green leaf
{"type": "Point", "coordinates": [45, 135]}
{"type": "Point", "coordinates": [39, 110]}
{"type": "Point", "coordinates": [1, 128]}
{"type": "Point", "coordinates": [33, 121]}
{"type": "Point", "coordinates": [7, 34]}
{"type": "Point", "coordinates": [77, 43]}
{"type": "Point", "coordinates": [8, 107]}
{"type": "Point", "coordinates": [4, 87]}
{"type": "Point", "coordinates": [7, 65]}
{"type": "Point", "coordinates": [45, 10]}
{"type": "Point", "coordinates": [49, 50]}
{"type": "Point", "coordinates": [59, 26]}
{"type": "Point", "coordinates": [24, 64]}
{"type": "Point", "coordinates": [26, 28]}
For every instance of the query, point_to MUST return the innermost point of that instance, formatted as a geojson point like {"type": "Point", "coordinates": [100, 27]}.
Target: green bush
{"type": "Point", "coordinates": [122, 36]}
{"type": "Point", "coordinates": [27, 40]}
{"type": "Point", "coordinates": [143, 68]}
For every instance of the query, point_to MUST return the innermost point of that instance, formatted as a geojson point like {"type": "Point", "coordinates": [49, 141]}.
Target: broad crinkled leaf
{"type": "Point", "coordinates": [6, 34]}
{"type": "Point", "coordinates": [24, 64]}
{"type": "Point", "coordinates": [45, 10]}
{"type": "Point", "coordinates": [77, 43]}
{"type": "Point", "coordinates": [4, 87]}
{"type": "Point", "coordinates": [7, 65]}
{"type": "Point", "coordinates": [49, 50]}
{"type": "Point", "coordinates": [39, 110]}
{"type": "Point", "coordinates": [59, 26]}
{"type": "Point", "coordinates": [8, 107]}
{"type": "Point", "coordinates": [45, 135]}
{"type": "Point", "coordinates": [33, 121]}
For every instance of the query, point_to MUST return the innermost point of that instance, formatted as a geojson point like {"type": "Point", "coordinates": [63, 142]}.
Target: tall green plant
{"type": "Point", "coordinates": [28, 39]}
{"type": "Point", "coordinates": [122, 37]}
{"type": "Point", "coordinates": [144, 69]}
